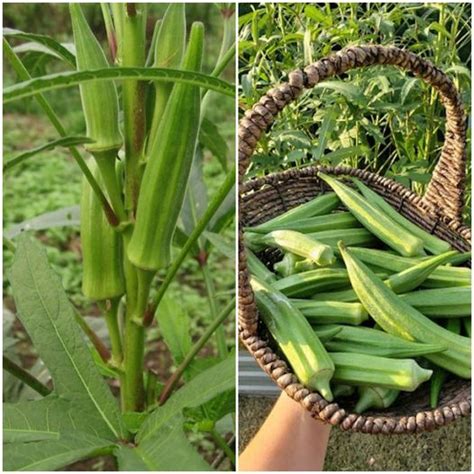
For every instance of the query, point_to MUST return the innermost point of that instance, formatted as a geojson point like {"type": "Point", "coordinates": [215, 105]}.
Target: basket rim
{"type": "Point", "coordinates": [271, 362]}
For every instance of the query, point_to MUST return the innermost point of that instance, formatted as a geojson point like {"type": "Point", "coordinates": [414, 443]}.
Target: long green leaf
{"type": "Point", "coordinates": [60, 142]}
{"type": "Point", "coordinates": [68, 79]}
{"type": "Point", "coordinates": [48, 318]}
{"type": "Point", "coordinates": [51, 455]}
{"type": "Point", "coordinates": [44, 40]}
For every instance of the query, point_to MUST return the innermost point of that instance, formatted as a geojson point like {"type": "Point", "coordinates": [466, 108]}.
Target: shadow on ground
{"type": "Point", "coordinates": [446, 449]}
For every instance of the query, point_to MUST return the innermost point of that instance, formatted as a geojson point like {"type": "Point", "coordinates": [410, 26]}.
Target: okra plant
{"type": "Point", "coordinates": [144, 211]}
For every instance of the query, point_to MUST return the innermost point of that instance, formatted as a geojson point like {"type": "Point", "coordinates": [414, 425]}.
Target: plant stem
{"type": "Point", "coordinates": [23, 375]}
{"type": "Point", "coordinates": [133, 101]}
{"type": "Point", "coordinates": [211, 297]}
{"type": "Point", "coordinates": [92, 336]}
{"type": "Point", "coordinates": [110, 310]}
{"type": "Point", "coordinates": [109, 28]}
{"type": "Point", "coordinates": [222, 444]}
{"type": "Point", "coordinates": [24, 75]}
{"type": "Point", "coordinates": [174, 379]}
{"type": "Point", "coordinates": [201, 225]}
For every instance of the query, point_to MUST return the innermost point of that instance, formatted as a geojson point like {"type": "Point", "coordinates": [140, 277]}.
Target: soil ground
{"type": "Point", "coordinates": [446, 449]}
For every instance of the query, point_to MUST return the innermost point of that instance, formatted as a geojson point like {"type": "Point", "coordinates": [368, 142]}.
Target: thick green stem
{"type": "Point", "coordinates": [133, 101]}
{"type": "Point", "coordinates": [201, 225]}
{"type": "Point", "coordinates": [28, 379]}
{"type": "Point", "coordinates": [211, 297]}
{"type": "Point", "coordinates": [174, 379]}
{"type": "Point", "coordinates": [24, 75]}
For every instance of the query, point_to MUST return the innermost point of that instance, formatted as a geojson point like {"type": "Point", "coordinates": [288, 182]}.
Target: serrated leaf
{"type": "Point", "coordinates": [66, 52]}
{"type": "Point", "coordinates": [210, 138]}
{"type": "Point", "coordinates": [48, 317]}
{"type": "Point", "coordinates": [174, 325]}
{"type": "Point", "coordinates": [60, 142]}
{"type": "Point", "coordinates": [61, 80]}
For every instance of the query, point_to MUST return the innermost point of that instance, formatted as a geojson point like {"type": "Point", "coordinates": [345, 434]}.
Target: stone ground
{"type": "Point", "coordinates": [446, 449]}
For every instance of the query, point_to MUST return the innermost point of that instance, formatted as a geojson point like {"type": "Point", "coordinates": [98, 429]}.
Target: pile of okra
{"type": "Point", "coordinates": [363, 303]}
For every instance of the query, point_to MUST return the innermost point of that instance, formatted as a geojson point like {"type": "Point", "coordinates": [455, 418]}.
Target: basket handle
{"type": "Point", "coordinates": [445, 193]}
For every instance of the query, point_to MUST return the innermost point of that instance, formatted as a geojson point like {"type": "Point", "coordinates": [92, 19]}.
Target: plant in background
{"type": "Point", "coordinates": [141, 216]}
{"type": "Point", "coordinates": [381, 120]}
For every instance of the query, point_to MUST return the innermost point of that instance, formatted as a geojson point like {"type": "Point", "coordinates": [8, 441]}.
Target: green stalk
{"type": "Point", "coordinates": [201, 225]}
{"type": "Point", "coordinates": [23, 375]}
{"type": "Point", "coordinates": [211, 297]}
{"type": "Point", "coordinates": [133, 100]}
{"type": "Point", "coordinates": [24, 75]}
{"type": "Point", "coordinates": [109, 28]}
{"type": "Point", "coordinates": [174, 379]}
{"type": "Point", "coordinates": [118, 17]}
{"type": "Point", "coordinates": [110, 310]}
{"type": "Point", "coordinates": [222, 444]}
{"type": "Point", "coordinates": [92, 336]}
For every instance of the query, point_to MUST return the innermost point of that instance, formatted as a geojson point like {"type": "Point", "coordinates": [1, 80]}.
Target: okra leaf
{"type": "Point", "coordinates": [225, 246]}
{"type": "Point", "coordinates": [49, 455]}
{"type": "Point", "coordinates": [174, 325]}
{"type": "Point", "coordinates": [65, 217]}
{"type": "Point", "coordinates": [61, 80]}
{"type": "Point", "coordinates": [202, 388]}
{"type": "Point", "coordinates": [224, 214]}
{"type": "Point", "coordinates": [169, 451]}
{"type": "Point", "coordinates": [48, 317]}
{"type": "Point", "coordinates": [210, 138]}
{"type": "Point", "coordinates": [65, 52]}
{"type": "Point", "coordinates": [60, 142]}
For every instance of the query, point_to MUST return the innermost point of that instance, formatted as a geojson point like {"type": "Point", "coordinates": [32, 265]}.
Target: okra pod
{"type": "Point", "coordinates": [362, 370]}
{"type": "Point", "coordinates": [375, 397]}
{"type": "Point", "coordinates": [320, 205]}
{"type": "Point", "coordinates": [397, 317]}
{"type": "Point", "coordinates": [258, 268]}
{"type": "Point", "coordinates": [357, 236]}
{"type": "Point", "coordinates": [166, 174]}
{"type": "Point", "coordinates": [376, 221]}
{"type": "Point", "coordinates": [303, 349]}
{"type": "Point", "coordinates": [331, 312]}
{"type": "Point", "coordinates": [365, 340]}
{"type": "Point", "coordinates": [430, 242]}
{"type": "Point", "coordinates": [286, 266]}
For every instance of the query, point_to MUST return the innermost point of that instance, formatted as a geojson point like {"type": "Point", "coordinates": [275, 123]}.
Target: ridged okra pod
{"type": "Point", "coordinates": [101, 248]}
{"type": "Point", "coordinates": [99, 98]}
{"type": "Point", "coordinates": [363, 370]}
{"type": "Point", "coordinates": [356, 236]}
{"type": "Point", "coordinates": [401, 282]}
{"type": "Point", "coordinates": [430, 242]}
{"type": "Point", "coordinates": [364, 340]}
{"type": "Point", "coordinates": [376, 221]}
{"type": "Point", "coordinates": [299, 244]}
{"type": "Point", "coordinates": [441, 302]}
{"type": "Point", "coordinates": [397, 317]}
{"type": "Point", "coordinates": [303, 349]}
{"type": "Point", "coordinates": [331, 312]}
{"type": "Point", "coordinates": [375, 397]}
{"type": "Point", "coordinates": [320, 205]}
{"type": "Point", "coordinates": [336, 220]}
{"type": "Point", "coordinates": [286, 266]}
{"type": "Point", "coordinates": [168, 166]}
{"type": "Point", "coordinates": [169, 52]}
{"type": "Point", "coordinates": [441, 277]}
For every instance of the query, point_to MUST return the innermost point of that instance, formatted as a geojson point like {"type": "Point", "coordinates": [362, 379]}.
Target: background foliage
{"type": "Point", "coordinates": [381, 118]}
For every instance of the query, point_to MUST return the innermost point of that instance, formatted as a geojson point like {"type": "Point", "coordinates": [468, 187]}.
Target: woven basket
{"type": "Point", "coordinates": [439, 211]}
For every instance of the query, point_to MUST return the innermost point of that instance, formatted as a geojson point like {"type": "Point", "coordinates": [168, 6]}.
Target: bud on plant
{"type": "Point", "coordinates": [101, 247]}
{"type": "Point", "coordinates": [99, 98]}
{"type": "Point", "coordinates": [169, 52]}
{"type": "Point", "coordinates": [168, 167]}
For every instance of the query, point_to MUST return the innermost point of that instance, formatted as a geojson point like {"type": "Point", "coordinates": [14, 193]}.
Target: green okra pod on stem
{"type": "Point", "coordinates": [166, 174]}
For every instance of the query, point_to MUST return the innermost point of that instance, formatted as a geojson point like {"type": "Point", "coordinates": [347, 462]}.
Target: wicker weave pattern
{"type": "Point", "coordinates": [438, 211]}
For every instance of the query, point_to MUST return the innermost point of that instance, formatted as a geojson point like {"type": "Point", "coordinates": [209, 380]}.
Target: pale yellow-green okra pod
{"type": "Point", "coordinates": [166, 174]}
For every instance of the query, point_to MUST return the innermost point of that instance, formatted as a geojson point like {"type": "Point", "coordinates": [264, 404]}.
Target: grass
{"type": "Point", "coordinates": [380, 118]}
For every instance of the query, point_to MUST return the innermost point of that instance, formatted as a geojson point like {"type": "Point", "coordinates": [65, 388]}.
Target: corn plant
{"type": "Point", "coordinates": [144, 211]}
